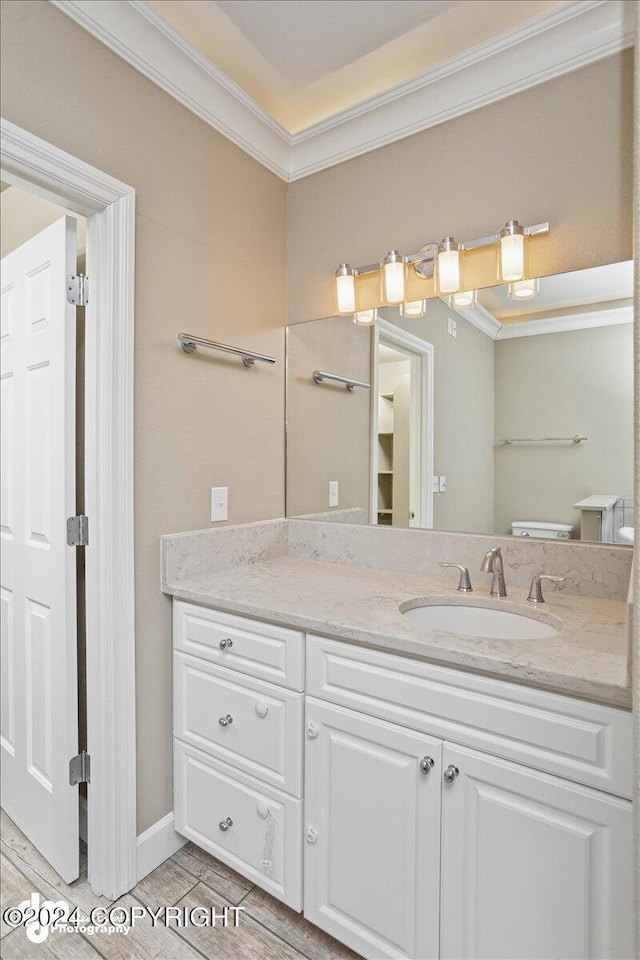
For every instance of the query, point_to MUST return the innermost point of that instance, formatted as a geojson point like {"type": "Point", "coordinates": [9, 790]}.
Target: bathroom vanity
{"type": "Point", "coordinates": [417, 792]}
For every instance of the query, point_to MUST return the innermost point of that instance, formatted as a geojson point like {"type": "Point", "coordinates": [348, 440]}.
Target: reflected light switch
{"type": "Point", "coordinates": [333, 493]}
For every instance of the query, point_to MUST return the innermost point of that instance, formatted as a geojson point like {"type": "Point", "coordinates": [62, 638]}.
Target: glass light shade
{"type": "Point", "coordinates": [345, 288]}
{"type": "Point", "coordinates": [413, 308]}
{"type": "Point", "coordinates": [392, 278]}
{"type": "Point", "coordinates": [465, 298]}
{"type": "Point", "coordinates": [511, 252]}
{"type": "Point", "coordinates": [447, 266]}
{"type": "Point", "coordinates": [365, 318]}
{"type": "Point", "coordinates": [524, 289]}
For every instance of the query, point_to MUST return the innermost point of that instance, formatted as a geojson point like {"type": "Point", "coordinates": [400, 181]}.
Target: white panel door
{"type": "Point", "coordinates": [39, 730]}
{"type": "Point", "coordinates": [532, 866]}
{"type": "Point", "coordinates": [372, 832]}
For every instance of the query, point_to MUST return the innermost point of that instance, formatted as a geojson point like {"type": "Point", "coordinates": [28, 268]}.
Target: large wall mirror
{"type": "Point", "coordinates": [505, 415]}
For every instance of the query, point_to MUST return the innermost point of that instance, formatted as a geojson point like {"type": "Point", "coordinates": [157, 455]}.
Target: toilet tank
{"type": "Point", "coordinates": [537, 528]}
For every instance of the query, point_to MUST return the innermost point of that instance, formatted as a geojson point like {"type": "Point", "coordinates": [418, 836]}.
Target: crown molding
{"type": "Point", "coordinates": [137, 34]}
{"type": "Point", "coordinates": [553, 44]}
{"type": "Point", "coordinates": [574, 321]}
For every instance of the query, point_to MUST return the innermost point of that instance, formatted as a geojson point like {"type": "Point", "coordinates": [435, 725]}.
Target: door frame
{"type": "Point", "coordinates": [422, 414]}
{"type": "Point", "coordinates": [109, 206]}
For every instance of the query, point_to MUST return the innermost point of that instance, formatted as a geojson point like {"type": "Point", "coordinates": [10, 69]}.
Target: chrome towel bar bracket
{"type": "Point", "coordinates": [189, 343]}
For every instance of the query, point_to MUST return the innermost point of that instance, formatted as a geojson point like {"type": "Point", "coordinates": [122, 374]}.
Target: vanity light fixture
{"type": "Point", "coordinates": [465, 298]}
{"type": "Point", "coordinates": [365, 318]}
{"type": "Point", "coordinates": [346, 288]}
{"type": "Point", "coordinates": [510, 240]}
{"type": "Point", "coordinates": [413, 309]}
{"type": "Point", "coordinates": [392, 267]}
{"type": "Point", "coordinates": [524, 289]}
{"type": "Point", "coordinates": [447, 267]}
{"type": "Point", "coordinates": [443, 262]}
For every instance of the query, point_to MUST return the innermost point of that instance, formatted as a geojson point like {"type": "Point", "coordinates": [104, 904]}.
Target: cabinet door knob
{"type": "Point", "coordinates": [312, 730]}
{"type": "Point", "coordinates": [226, 643]}
{"type": "Point", "coordinates": [225, 721]}
{"type": "Point", "coordinates": [225, 824]}
{"type": "Point", "coordinates": [262, 709]}
{"type": "Point", "coordinates": [312, 835]}
{"type": "Point", "coordinates": [426, 765]}
{"type": "Point", "coordinates": [450, 773]}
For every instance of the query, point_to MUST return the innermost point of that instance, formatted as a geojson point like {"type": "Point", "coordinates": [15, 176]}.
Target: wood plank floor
{"type": "Point", "coordinates": [268, 930]}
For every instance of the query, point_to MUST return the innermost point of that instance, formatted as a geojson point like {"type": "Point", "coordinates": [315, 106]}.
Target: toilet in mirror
{"type": "Point", "coordinates": [504, 410]}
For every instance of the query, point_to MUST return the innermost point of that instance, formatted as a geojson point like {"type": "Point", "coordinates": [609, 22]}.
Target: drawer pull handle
{"type": "Point", "coordinates": [225, 824]}
{"type": "Point", "coordinates": [225, 721]}
{"type": "Point", "coordinates": [226, 643]}
{"type": "Point", "coordinates": [450, 773]}
{"type": "Point", "coordinates": [426, 765]}
{"type": "Point", "coordinates": [262, 709]}
{"type": "Point", "coordinates": [312, 835]}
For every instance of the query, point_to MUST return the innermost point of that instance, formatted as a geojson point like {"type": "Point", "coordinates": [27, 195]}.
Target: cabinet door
{"type": "Point", "coordinates": [533, 866]}
{"type": "Point", "coordinates": [372, 830]}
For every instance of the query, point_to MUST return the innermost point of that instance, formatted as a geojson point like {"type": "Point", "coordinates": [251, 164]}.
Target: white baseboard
{"type": "Point", "coordinates": [83, 818]}
{"type": "Point", "coordinates": [156, 845]}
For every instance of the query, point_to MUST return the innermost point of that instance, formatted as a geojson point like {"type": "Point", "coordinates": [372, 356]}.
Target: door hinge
{"type": "Point", "coordinates": [78, 531]}
{"type": "Point", "coordinates": [78, 289]}
{"type": "Point", "coordinates": [80, 768]}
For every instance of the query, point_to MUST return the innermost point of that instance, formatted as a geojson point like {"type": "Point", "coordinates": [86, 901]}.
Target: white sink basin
{"type": "Point", "coordinates": [480, 622]}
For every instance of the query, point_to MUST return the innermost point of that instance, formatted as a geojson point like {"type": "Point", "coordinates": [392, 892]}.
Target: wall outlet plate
{"type": "Point", "coordinates": [333, 493]}
{"type": "Point", "coordinates": [219, 504]}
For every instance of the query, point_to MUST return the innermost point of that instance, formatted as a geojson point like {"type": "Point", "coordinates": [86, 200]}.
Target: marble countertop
{"type": "Point", "coordinates": [588, 657]}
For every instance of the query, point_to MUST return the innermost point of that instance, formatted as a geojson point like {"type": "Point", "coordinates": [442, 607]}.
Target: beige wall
{"type": "Point", "coordinates": [210, 258]}
{"type": "Point", "coordinates": [328, 434]}
{"type": "Point", "coordinates": [463, 417]}
{"type": "Point", "coordinates": [557, 385]}
{"type": "Point", "coordinates": [561, 151]}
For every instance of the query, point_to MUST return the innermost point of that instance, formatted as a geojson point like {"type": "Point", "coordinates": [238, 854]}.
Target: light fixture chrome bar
{"type": "Point", "coordinates": [189, 343]}
{"type": "Point", "coordinates": [320, 375]}
{"type": "Point", "coordinates": [578, 438]}
{"type": "Point", "coordinates": [427, 252]}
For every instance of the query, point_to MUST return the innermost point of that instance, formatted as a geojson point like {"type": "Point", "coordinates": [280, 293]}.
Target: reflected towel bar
{"type": "Point", "coordinates": [577, 439]}
{"type": "Point", "coordinates": [189, 344]}
{"type": "Point", "coordinates": [320, 375]}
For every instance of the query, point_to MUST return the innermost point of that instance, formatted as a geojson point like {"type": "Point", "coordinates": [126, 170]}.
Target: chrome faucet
{"type": "Point", "coordinates": [492, 563]}
{"type": "Point", "coordinates": [535, 592]}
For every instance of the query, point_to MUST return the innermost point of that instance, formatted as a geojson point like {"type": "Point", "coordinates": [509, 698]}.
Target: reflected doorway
{"type": "Point", "coordinates": [402, 429]}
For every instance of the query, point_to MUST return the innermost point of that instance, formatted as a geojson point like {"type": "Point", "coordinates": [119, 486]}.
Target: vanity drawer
{"type": "Point", "coordinates": [263, 736]}
{"type": "Point", "coordinates": [585, 742]}
{"type": "Point", "coordinates": [264, 840]}
{"type": "Point", "coordinates": [258, 649]}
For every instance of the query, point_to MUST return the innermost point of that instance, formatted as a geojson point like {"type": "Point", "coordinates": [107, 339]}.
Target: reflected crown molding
{"type": "Point", "coordinates": [573, 36]}
{"type": "Point", "coordinates": [574, 321]}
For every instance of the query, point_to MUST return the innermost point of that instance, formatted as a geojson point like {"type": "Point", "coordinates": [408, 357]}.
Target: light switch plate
{"type": "Point", "coordinates": [219, 504]}
{"type": "Point", "coordinates": [435, 484]}
{"type": "Point", "coordinates": [452, 327]}
{"type": "Point", "coordinates": [442, 486]}
{"type": "Point", "coordinates": [333, 493]}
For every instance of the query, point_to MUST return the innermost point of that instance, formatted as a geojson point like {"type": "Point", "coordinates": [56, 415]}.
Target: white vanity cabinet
{"type": "Point", "coordinates": [372, 853]}
{"type": "Point", "coordinates": [442, 813]}
{"type": "Point", "coordinates": [480, 857]}
{"type": "Point", "coordinates": [238, 729]}
{"type": "Point", "coordinates": [532, 865]}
